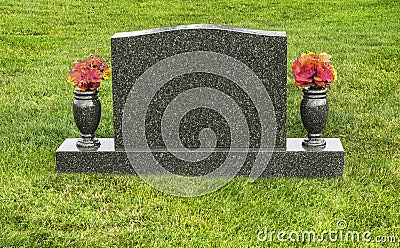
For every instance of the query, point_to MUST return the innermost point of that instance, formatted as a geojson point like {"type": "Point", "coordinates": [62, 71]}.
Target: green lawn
{"type": "Point", "coordinates": [39, 208]}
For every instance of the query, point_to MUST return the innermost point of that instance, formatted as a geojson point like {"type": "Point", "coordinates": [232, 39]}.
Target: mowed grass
{"type": "Point", "coordinates": [39, 208]}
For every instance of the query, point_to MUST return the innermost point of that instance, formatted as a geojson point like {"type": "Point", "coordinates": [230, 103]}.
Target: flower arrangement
{"type": "Point", "coordinates": [313, 70]}
{"type": "Point", "coordinates": [88, 74]}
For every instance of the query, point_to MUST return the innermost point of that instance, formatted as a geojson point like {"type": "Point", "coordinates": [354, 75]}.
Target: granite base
{"type": "Point", "coordinates": [295, 161]}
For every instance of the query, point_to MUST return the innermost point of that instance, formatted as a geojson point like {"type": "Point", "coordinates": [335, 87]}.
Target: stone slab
{"type": "Point", "coordinates": [135, 53]}
{"type": "Point", "coordinates": [295, 161]}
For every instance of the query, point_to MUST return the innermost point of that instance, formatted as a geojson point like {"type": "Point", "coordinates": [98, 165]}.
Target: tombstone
{"type": "Point", "coordinates": [193, 99]}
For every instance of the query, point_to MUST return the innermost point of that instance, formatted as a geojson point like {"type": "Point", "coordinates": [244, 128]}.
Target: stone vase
{"type": "Point", "coordinates": [314, 114]}
{"type": "Point", "coordinates": [87, 112]}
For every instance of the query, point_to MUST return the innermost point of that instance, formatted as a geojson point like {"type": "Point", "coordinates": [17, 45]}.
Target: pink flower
{"type": "Point", "coordinates": [313, 70]}
{"type": "Point", "coordinates": [94, 76]}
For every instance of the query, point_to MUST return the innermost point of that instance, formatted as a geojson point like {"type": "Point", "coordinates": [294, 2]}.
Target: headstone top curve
{"type": "Point", "coordinates": [199, 27]}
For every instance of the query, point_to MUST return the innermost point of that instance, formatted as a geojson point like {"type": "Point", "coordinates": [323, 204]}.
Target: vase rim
{"type": "Point", "coordinates": [314, 90]}
{"type": "Point", "coordinates": [86, 92]}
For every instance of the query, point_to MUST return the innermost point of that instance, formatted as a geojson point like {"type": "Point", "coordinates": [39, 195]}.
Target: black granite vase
{"type": "Point", "coordinates": [314, 114]}
{"type": "Point", "coordinates": [87, 112]}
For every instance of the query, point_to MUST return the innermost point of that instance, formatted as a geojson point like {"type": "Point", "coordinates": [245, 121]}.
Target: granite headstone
{"type": "Point", "coordinates": [192, 97]}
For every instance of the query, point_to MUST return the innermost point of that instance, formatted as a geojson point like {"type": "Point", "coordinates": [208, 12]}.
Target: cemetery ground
{"type": "Point", "coordinates": [41, 39]}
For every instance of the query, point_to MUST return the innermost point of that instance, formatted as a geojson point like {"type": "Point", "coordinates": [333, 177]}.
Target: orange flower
{"type": "Point", "coordinates": [313, 70]}
{"type": "Point", "coordinates": [88, 74]}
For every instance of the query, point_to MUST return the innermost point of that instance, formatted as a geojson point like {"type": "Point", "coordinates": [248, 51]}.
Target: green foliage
{"type": "Point", "coordinates": [38, 208]}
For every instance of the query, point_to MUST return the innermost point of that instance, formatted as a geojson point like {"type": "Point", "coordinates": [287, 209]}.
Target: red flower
{"type": "Point", "coordinates": [88, 74]}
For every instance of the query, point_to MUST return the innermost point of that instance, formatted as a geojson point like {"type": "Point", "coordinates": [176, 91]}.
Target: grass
{"type": "Point", "coordinates": [39, 208]}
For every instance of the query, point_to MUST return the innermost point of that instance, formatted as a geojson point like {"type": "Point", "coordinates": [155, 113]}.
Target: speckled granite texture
{"type": "Point", "coordinates": [263, 52]}
{"type": "Point", "coordinates": [294, 162]}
